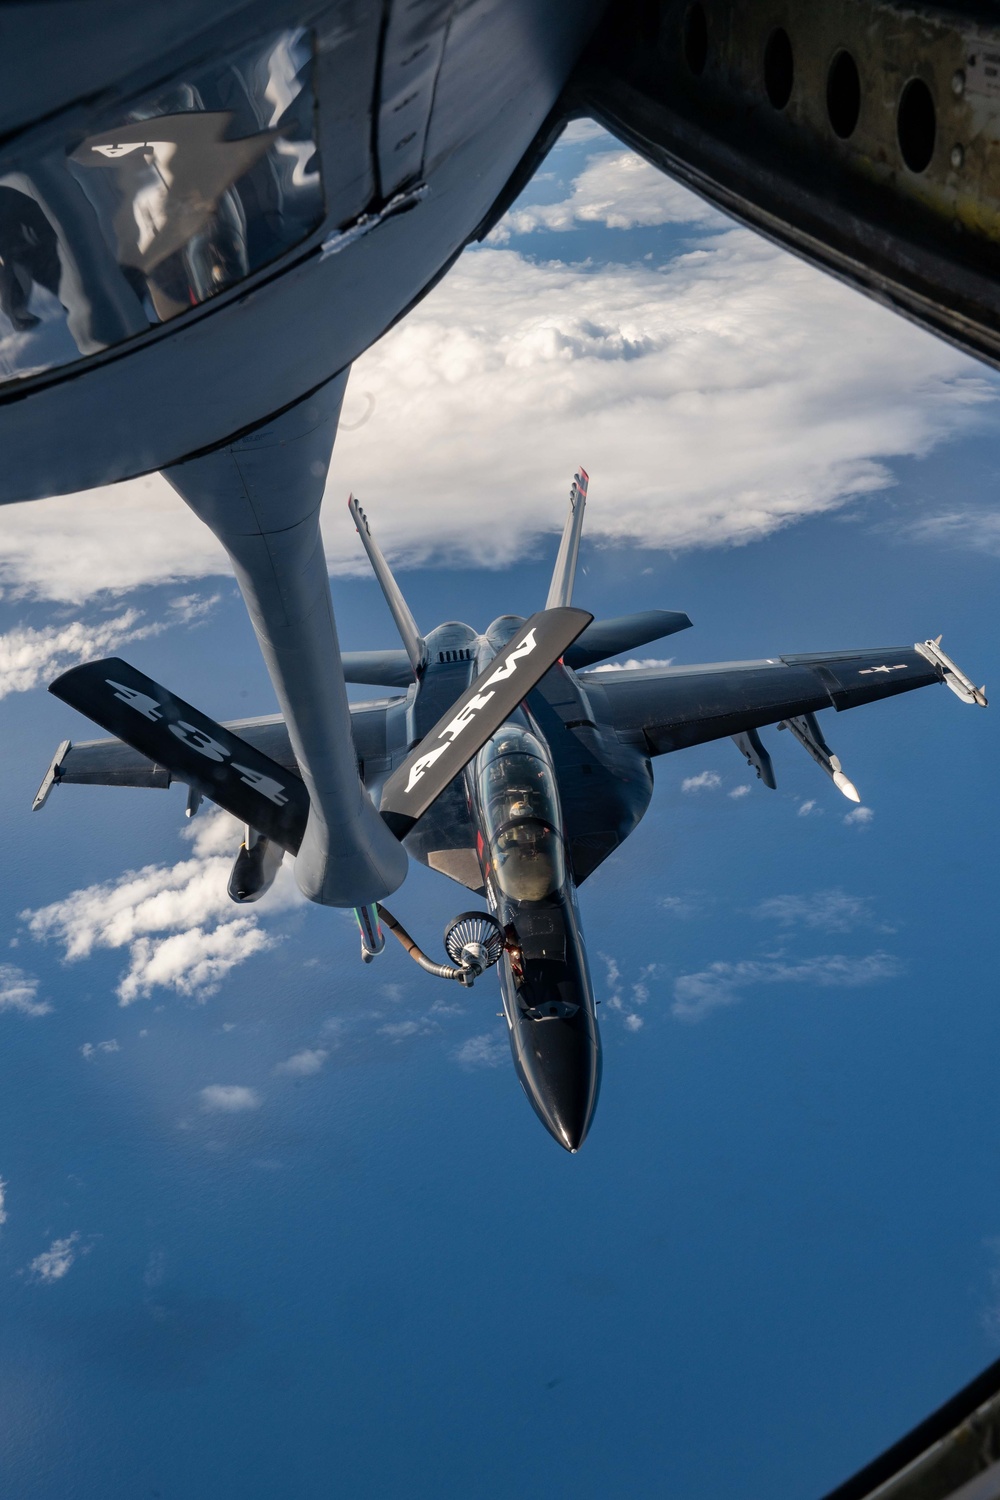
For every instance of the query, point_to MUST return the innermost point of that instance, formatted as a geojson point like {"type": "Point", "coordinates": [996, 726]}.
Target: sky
{"type": "Point", "coordinates": [274, 1222]}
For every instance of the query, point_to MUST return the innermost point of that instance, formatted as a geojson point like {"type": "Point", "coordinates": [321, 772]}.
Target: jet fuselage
{"type": "Point", "coordinates": [502, 830]}
{"type": "Point", "coordinates": [547, 993]}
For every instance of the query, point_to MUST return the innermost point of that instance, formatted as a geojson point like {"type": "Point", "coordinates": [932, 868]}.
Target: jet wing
{"type": "Point", "coordinates": [113, 763]}
{"type": "Point", "coordinates": [669, 708]}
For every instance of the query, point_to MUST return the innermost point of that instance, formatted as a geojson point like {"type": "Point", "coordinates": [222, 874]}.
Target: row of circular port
{"type": "Point", "coordinates": [916, 117]}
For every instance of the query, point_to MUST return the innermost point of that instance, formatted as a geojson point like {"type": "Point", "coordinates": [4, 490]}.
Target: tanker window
{"type": "Point", "coordinates": [160, 204]}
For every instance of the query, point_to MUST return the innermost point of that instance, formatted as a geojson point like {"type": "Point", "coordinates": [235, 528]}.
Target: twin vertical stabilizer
{"type": "Point", "coordinates": [564, 572]}
{"type": "Point", "coordinates": [416, 649]}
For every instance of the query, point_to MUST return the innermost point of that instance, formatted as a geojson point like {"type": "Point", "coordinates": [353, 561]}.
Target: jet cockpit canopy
{"type": "Point", "coordinates": [521, 815]}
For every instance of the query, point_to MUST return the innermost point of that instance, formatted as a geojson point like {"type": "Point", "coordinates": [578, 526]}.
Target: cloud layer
{"type": "Point", "coordinates": [713, 398]}
{"type": "Point", "coordinates": [705, 781]}
{"type": "Point", "coordinates": [304, 1064]}
{"type": "Point", "coordinates": [29, 656]}
{"type": "Point", "coordinates": [177, 922]}
{"type": "Point", "coordinates": [617, 189]}
{"type": "Point", "coordinates": [830, 911]}
{"type": "Point", "coordinates": [696, 995]}
{"type": "Point", "coordinates": [229, 1098]}
{"type": "Point", "coordinates": [54, 1263]}
{"type": "Point", "coordinates": [19, 992]}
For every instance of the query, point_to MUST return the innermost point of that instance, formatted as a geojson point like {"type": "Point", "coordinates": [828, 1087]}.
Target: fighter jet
{"type": "Point", "coordinates": [504, 763]}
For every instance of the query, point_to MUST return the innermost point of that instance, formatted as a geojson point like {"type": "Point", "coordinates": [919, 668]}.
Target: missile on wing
{"type": "Point", "coordinates": [256, 866]}
{"type": "Point", "coordinates": [953, 675]}
{"type": "Point", "coordinates": [809, 735]}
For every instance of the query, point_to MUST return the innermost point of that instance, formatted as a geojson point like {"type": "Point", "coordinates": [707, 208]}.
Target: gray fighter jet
{"type": "Point", "coordinates": [503, 763]}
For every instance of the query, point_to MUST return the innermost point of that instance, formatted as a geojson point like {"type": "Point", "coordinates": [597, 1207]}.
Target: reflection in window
{"type": "Point", "coordinates": [158, 208]}
{"type": "Point", "coordinates": [520, 810]}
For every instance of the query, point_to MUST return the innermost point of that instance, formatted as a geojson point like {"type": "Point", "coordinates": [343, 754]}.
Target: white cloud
{"type": "Point", "coordinates": [978, 530]}
{"type": "Point", "coordinates": [91, 1050]}
{"type": "Point", "coordinates": [695, 995]}
{"type": "Point", "coordinates": [29, 656]}
{"type": "Point", "coordinates": [3, 1201]}
{"type": "Point", "coordinates": [193, 961]}
{"type": "Point", "coordinates": [485, 1051]}
{"type": "Point", "coordinates": [705, 781]}
{"type": "Point", "coordinates": [54, 1263]}
{"type": "Point", "coordinates": [740, 791]}
{"type": "Point", "coordinates": [177, 922]}
{"type": "Point", "coordinates": [860, 817]}
{"type": "Point", "coordinates": [192, 609]}
{"type": "Point", "coordinates": [635, 664]}
{"type": "Point", "coordinates": [638, 995]}
{"type": "Point", "coordinates": [499, 370]}
{"type": "Point", "coordinates": [617, 189]}
{"type": "Point", "coordinates": [113, 538]}
{"type": "Point", "coordinates": [398, 1031]}
{"type": "Point", "coordinates": [808, 808]}
{"type": "Point", "coordinates": [829, 911]}
{"type": "Point", "coordinates": [19, 991]}
{"type": "Point", "coordinates": [497, 373]}
{"type": "Point", "coordinates": [578, 131]}
{"type": "Point", "coordinates": [304, 1064]}
{"type": "Point", "coordinates": [679, 906]}
{"type": "Point", "coordinates": [229, 1098]}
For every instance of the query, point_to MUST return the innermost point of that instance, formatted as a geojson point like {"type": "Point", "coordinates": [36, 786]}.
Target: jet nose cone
{"type": "Point", "coordinates": [562, 1074]}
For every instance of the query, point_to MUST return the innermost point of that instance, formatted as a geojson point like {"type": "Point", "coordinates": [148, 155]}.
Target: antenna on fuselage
{"type": "Point", "coordinates": [416, 649]}
{"type": "Point", "coordinates": [564, 572]}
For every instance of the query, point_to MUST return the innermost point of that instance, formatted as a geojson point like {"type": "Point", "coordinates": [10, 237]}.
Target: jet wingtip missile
{"type": "Point", "coordinates": [51, 777]}
{"type": "Point", "coordinates": [951, 674]}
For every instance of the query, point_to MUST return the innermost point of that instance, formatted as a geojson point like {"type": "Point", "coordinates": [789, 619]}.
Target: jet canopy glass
{"type": "Point", "coordinates": [520, 810]}
{"type": "Point", "coordinates": [150, 210]}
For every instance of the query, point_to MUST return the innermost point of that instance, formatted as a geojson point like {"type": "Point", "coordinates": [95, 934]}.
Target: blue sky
{"type": "Point", "coordinates": [278, 1223]}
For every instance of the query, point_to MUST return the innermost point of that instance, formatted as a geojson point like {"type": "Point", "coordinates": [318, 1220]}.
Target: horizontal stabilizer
{"type": "Point", "coordinates": [416, 650]}
{"type": "Point", "coordinates": [606, 638]}
{"type": "Point", "coordinates": [478, 714]}
{"type": "Point", "coordinates": [378, 668]}
{"type": "Point", "coordinates": [190, 746]}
